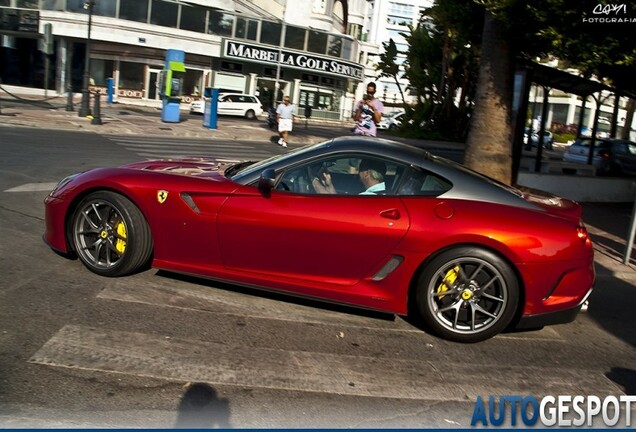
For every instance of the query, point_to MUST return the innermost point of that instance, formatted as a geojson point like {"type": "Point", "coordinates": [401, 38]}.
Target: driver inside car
{"type": "Point", "coordinates": [370, 172]}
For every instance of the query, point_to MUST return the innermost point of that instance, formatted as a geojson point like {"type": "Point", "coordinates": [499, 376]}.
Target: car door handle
{"type": "Point", "coordinates": [393, 214]}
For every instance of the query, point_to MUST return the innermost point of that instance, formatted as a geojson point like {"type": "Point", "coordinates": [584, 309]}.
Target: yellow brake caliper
{"type": "Point", "coordinates": [448, 281]}
{"type": "Point", "coordinates": [120, 229]}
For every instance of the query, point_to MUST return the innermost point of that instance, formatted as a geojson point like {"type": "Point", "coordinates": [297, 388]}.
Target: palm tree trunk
{"type": "Point", "coordinates": [489, 142]}
{"type": "Point", "coordinates": [629, 117]}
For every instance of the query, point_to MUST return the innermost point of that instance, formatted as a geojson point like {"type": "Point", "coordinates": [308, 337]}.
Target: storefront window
{"type": "Point", "coordinates": [192, 18]}
{"type": "Point", "coordinates": [101, 70]}
{"type": "Point", "coordinates": [220, 23]}
{"type": "Point", "coordinates": [295, 37]}
{"type": "Point", "coordinates": [317, 42]}
{"type": "Point", "coordinates": [164, 13]}
{"type": "Point", "coordinates": [192, 82]}
{"type": "Point", "coordinates": [7, 3]}
{"type": "Point", "coordinates": [131, 76]}
{"type": "Point", "coordinates": [133, 10]}
{"type": "Point", "coordinates": [270, 33]}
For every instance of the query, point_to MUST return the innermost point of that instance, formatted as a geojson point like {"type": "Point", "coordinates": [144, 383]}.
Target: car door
{"type": "Point", "coordinates": [227, 105]}
{"type": "Point", "coordinates": [324, 238]}
{"type": "Point", "coordinates": [335, 239]}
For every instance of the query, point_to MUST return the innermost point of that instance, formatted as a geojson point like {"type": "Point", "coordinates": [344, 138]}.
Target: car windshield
{"type": "Point", "coordinates": [245, 168]}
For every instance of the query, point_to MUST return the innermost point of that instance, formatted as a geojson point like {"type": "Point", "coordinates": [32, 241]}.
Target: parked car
{"type": "Point", "coordinates": [467, 254]}
{"type": "Point", "coordinates": [611, 156]}
{"type": "Point", "coordinates": [548, 139]}
{"type": "Point", "coordinates": [391, 120]}
{"type": "Point", "coordinates": [235, 104]}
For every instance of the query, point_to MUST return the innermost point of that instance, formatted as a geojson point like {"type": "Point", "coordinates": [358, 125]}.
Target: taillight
{"type": "Point", "coordinates": [605, 154]}
{"type": "Point", "coordinates": [581, 233]}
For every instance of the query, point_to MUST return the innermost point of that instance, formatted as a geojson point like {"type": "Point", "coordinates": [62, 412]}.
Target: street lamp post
{"type": "Point", "coordinates": [283, 31]}
{"type": "Point", "coordinates": [85, 109]}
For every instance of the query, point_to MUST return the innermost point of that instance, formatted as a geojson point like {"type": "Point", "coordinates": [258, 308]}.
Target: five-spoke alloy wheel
{"type": "Point", "coordinates": [467, 294]}
{"type": "Point", "coordinates": [110, 235]}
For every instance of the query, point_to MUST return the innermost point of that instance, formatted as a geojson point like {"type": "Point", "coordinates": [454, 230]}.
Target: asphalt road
{"type": "Point", "coordinates": [162, 350]}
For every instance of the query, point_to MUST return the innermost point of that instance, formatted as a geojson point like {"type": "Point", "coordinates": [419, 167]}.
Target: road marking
{"type": "Point", "coordinates": [33, 187]}
{"type": "Point", "coordinates": [139, 354]}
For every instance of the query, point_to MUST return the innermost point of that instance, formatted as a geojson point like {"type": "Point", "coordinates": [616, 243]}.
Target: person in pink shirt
{"type": "Point", "coordinates": [367, 113]}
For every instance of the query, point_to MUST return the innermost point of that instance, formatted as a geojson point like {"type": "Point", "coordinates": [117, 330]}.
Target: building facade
{"type": "Point", "coordinates": [307, 49]}
{"type": "Point", "coordinates": [385, 20]}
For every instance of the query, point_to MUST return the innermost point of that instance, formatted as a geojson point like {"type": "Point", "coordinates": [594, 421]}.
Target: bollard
{"type": "Point", "coordinates": [97, 118]}
{"type": "Point", "coordinates": [69, 99]}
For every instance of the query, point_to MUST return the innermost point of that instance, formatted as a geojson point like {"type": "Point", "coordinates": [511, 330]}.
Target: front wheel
{"type": "Point", "coordinates": [467, 294]}
{"type": "Point", "coordinates": [110, 234]}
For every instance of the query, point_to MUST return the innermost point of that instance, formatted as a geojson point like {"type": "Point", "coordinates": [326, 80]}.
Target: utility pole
{"type": "Point", "coordinates": [283, 31]}
{"type": "Point", "coordinates": [85, 109]}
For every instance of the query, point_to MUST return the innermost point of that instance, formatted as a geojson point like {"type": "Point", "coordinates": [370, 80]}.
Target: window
{"type": "Point", "coordinates": [27, 4]}
{"type": "Point", "coordinates": [220, 23]}
{"type": "Point", "coordinates": [164, 13]}
{"type": "Point", "coordinates": [352, 174]}
{"type": "Point", "coordinates": [192, 18]}
{"type": "Point", "coordinates": [270, 33]}
{"type": "Point", "coordinates": [295, 37]}
{"type": "Point", "coordinates": [317, 42]}
{"type": "Point", "coordinates": [131, 76]}
{"type": "Point", "coordinates": [246, 29]}
{"type": "Point", "coordinates": [423, 183]}
{"type": "Point", "coordinates": [101, 70]}
{"type": "Point", "coordinates": [133, 10]}
{"type": "Point", "coordinates": [335, 46]}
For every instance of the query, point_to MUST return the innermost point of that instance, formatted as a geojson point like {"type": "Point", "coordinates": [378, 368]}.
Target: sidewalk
{"type": "Point", "coordinates": [141, 120]}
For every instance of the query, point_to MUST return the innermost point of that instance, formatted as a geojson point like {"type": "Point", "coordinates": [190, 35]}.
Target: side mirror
{"type": "Point", "coordinates": [267, 180]}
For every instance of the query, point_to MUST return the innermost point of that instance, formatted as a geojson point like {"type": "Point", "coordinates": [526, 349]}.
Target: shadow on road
{"type": "Point", "coordinates": [201, 408]}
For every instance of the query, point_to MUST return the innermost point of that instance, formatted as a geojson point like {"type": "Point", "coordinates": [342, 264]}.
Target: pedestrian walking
{"type": "Point", "coordinates": [367, 113]}
{"type": "Point", "coordinates": [285, 119]}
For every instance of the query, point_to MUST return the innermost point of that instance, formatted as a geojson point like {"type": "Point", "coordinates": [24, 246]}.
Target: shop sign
{"type": "Point", "coordinates": [127, 93]}
{"type": "Point", "coordinates": [308, 62]}
{"type": "Point", "coordinates": [19, 20]}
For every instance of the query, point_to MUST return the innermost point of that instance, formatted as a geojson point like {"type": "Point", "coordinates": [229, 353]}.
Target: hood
{"type": "Point", "coordinates": [194, 166]}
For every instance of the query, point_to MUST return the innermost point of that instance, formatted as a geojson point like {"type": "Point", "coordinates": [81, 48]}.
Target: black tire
{"type": "Point", "coordinates": [250, 115]}
{"type": "Point", "coordinates": [467, 294]}
{"type": "Point", "coordinates": [110, 234]}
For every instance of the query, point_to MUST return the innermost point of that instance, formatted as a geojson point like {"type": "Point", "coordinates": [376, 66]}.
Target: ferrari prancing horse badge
{"type": "Point", "coordinates": [162, 196]}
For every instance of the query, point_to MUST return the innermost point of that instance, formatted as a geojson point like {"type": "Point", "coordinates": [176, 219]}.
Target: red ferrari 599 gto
{"type": "Point", "coordinates": [358, 221]}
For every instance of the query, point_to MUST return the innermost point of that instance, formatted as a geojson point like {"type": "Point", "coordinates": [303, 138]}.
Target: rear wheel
{"type": "Point", "coordinates": [467, 294]}
{"type": "Point", "coordinates": [110, 235]}
{"type": "Point", "coordinates": [250, 115]}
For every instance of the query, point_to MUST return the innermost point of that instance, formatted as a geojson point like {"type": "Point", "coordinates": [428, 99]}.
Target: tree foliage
{"type": "Point", "coordinates": [445, 49]}
{"type": "Point", "coordinates": [388, 65]}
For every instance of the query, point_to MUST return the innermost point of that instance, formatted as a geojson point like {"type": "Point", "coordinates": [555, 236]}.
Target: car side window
{"type": "Point", "coordinates": [418, 182]}
{"type": "Point", "coordinates": [631, 149]}
{"type": "Point", "coordinates": [343, 173]}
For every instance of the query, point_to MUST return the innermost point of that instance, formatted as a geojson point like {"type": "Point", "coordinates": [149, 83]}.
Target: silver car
{"type": "Point", "coordinates": [611, 156]}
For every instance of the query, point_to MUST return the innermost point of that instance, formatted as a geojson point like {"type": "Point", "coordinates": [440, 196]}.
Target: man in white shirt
{"type": "Point", "coordinates": [285, 120]}
{"type": "Point", "coordinates": [371, 173]}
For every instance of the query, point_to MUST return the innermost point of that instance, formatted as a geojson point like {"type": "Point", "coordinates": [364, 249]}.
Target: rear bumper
{"type": "Point", "coordinates": [556, 317]}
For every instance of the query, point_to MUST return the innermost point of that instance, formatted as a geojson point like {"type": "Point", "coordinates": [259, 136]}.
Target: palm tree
{"type": "Point", "coordinates": [488, 146]}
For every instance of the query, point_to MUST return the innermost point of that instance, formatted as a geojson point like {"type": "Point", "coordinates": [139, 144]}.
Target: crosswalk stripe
{"type": "Point", "coordinates": [152, 147]}
{"type": "Point", "coordinates": [156, 356]}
